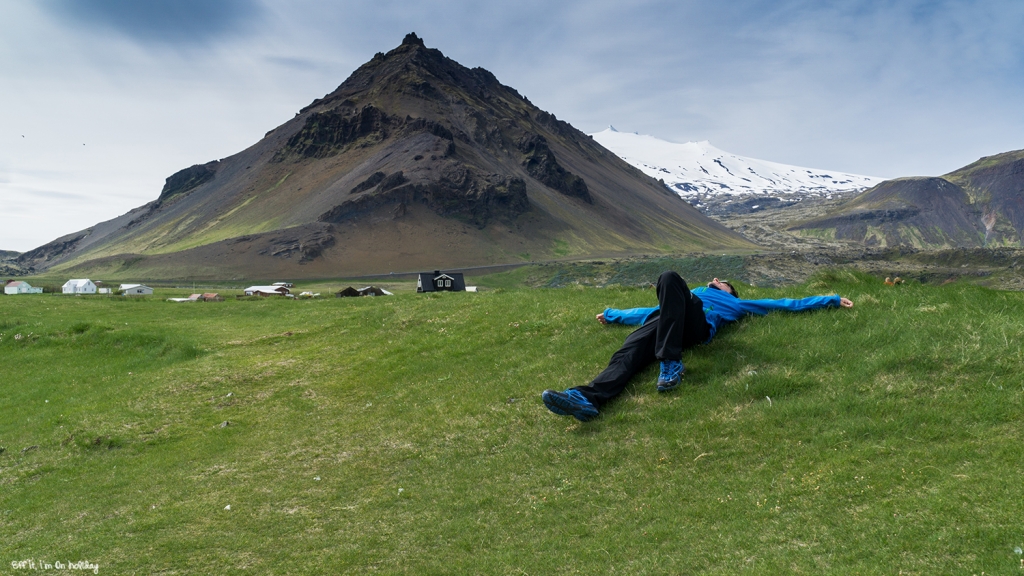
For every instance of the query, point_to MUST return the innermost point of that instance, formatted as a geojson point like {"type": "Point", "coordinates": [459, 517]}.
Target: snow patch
{"type": "Point", "coordinates": [698, 170]}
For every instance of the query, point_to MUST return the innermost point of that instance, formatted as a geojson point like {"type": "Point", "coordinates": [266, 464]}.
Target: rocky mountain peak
{"type": "Point", "coordinates": [415, 70]}
{"type": "Point", "coordinates": [476, 139]}
{"type": "Point", "coordinates": [412, 39]}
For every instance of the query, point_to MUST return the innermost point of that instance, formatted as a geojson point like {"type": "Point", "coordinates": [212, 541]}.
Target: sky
{"type": "Point", "coordinates": [102, 100]}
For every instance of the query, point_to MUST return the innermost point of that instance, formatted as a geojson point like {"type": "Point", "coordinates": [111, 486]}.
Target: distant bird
{"type": "Point", "coordinates": [888, 281]}
{"type": "Point", "coordinates": [897, 280]}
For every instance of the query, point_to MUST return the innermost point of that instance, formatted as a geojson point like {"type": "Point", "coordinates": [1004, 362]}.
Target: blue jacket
{"type": "Point", "coordinates": [721, 307]}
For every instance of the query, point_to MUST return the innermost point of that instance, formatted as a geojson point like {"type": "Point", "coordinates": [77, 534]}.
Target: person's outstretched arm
{"type": "Point", "coordinates": [794, 305]}
{"type": "Point", "coordinates": [630, 317]}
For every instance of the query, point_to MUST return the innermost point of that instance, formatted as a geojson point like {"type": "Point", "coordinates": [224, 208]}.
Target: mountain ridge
{"type": "Point", "coordinates": [979, 205]}
{"type": "Point", "coordinates": [710, 178]}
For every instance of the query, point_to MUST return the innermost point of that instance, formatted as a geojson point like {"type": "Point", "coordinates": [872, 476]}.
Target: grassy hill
{"type": "Point", "coordinates": [978, 205]}
{"type": "Point", "coordinates": [405, 435]}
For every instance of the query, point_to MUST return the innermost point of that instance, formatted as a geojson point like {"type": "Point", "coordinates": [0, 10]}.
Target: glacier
{"type": "Point", "coordinates": [704, 175]}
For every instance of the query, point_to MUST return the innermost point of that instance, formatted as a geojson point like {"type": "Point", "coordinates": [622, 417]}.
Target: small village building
{"type": "Point", "coordinates": [79, 286]}
{"type": "Point", "coordinates": [19, 287]}
{"type": "Point", "coordinates": [285, 284]}
{"type": "Point", "coordinates": [440, 282]}
{"type": "Point", "coordinates": [367, 291]}
{"type": "Point", "coordinates": [135, 290]}
{"type": "Point", "coordinates": [207, 297]}
{"type": "Point", "coordinates": [374, 291]}
{"type": "Point", "coordinates": [267, 291]}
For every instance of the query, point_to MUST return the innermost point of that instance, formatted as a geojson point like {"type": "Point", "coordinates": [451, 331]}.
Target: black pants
{"type": "Point", "coordinates": [678, 324]}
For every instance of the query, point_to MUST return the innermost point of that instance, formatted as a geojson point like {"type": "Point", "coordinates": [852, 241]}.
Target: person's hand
{"type": "Point", "coordinates": [846, 303]}
{"type": "Point", "coordinates": [600, 318]}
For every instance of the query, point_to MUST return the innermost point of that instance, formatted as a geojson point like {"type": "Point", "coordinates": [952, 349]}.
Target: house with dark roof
{"type": "Point", "coordinates": [440, 282]}
{"type": "Point", "coordinates": [367, 291]}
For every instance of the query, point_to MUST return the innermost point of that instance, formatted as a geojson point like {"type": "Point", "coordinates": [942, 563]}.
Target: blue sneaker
{"type": "Point", "coordinates": [671, 375]}
{"type": "Point", "coordinates": [569, 403]}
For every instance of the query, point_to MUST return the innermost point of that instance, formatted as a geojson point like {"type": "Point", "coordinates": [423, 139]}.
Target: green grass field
{"type": "Point", "coordinates": [405, 435]}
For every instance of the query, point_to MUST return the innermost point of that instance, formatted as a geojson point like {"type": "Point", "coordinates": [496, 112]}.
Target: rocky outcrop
{"type": "Point", "coordinates": [540, 162]}
{"type": "Point", "coordinates": [304, 244]}
{"type": "Point", "coordinates": [996, 184]}
{"type": "Point", "coordinates": [9, 265]}
{"type": "Point", "coordinates": [328, 133]}
{"type": "Point", "coordinates": [184, 181]}
{"type": "Point", "coordinates": [369, 183]}
{"type": "Point", "coordinates": [40, 257]}
{"type": "Point", "coordinates": [459, 191]}
{"type": "Point", "coordinates": [176, 186]}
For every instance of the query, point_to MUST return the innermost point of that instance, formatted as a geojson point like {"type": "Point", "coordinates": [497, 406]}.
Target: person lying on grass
{"type": "Point", "coordinates": [682, 320]}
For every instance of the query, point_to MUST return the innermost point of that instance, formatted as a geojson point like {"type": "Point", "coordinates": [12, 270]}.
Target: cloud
{"type": "Point", "coordinates": [32, 216]}
{"type": "Point", "coordinates": [56, 195]}
{"type": "Point", "coordinates": [183, 22]}
{"type": "Point", "coordinates": [299, 64]}
{"type": "Point", "coordinates": [870, 87]}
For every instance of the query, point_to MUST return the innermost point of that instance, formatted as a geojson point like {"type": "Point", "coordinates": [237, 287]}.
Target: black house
{"type": "Point", "coordinates": [438, 281]}
{"type": "Point", "coordinates": [349, 292]}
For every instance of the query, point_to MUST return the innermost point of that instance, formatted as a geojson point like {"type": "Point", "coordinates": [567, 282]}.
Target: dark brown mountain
{"type": "Point", "coordinates": [414, 162]}
{"type": "Point", "coordinates": [976, 206]}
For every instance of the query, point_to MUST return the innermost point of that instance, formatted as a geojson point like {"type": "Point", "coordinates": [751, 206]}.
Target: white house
{"type": "Point", "coordinates": [267, 291]}
{"type": "Point", "coordinates": [135, 290]}
{"type": "Point", "coordinates": [20, 287]}
{"type": "Point", "coordinates": [79, 286]}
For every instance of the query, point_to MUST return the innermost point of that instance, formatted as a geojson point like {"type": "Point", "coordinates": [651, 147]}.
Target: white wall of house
{"type": "Point", "coordinates": [135, 290]}
{"type": "Point", "coordinates": [79, 286]}
{"type": "Point", "coordinates": [21, 288]}
{"type": "Point", "coordinates": [267, 291]}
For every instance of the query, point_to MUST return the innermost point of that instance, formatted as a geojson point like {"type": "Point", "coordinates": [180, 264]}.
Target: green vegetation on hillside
{"type": "Point", "coordinates": [405, 435]}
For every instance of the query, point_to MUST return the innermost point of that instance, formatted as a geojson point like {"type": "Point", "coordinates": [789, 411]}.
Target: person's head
{"type": "Point", "coordinates": [724, 286]}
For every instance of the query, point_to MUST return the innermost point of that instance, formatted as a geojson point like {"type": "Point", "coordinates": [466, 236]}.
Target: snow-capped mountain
{"type": "Point", "coordinates": [699, 172]}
